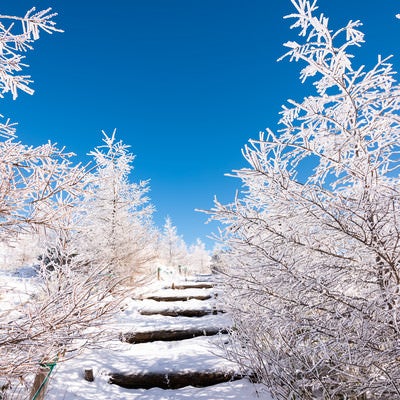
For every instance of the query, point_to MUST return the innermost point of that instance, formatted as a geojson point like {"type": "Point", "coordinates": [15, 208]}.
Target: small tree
{"type": "Point", "coordinates": [313, 263]}
{"type": "Point", "coordinates": [173, 250]}
{"type": "Point", "coordinates": [65, 300]}
{"type": "Point", "coordinates": [116, 227]}
{"type": "Point", "coordinates": [199, 258]}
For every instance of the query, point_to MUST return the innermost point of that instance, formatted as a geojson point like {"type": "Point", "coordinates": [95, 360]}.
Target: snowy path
{"type": "Point", "coordinates": [143, 361]}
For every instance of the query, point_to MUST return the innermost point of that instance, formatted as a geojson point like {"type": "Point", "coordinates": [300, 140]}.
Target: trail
{"type": "Point", "coordinates": [165, 347]}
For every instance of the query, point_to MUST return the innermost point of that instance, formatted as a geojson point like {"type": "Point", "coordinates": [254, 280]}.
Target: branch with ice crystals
{"type": "Point", "coordinates": [7, 129]}
{"type": "Point", "coordinates": [33, 22]}
{"type": "Point", "coordinates": [13, 43]}
{"type": "Point", "coordinates": [39, 186]}
{"type": "Point", "coordinates": [355, 112]}
{"type": "Point", "coordinates": [319, 51]}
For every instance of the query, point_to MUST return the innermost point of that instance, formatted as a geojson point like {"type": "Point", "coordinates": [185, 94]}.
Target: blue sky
{"type": "Point", "coordinates": [186, 83]}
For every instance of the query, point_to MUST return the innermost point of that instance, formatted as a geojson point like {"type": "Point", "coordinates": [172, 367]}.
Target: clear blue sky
{"type": "Point", "coordinates": [185, 82]}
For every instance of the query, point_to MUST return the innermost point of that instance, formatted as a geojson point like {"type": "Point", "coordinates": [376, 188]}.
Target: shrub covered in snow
{"type": "Point", "coordinates": [312, 263]}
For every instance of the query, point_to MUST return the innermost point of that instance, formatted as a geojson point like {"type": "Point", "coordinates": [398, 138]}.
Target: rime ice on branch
{"type": "Point", "coordinates": [312, 263]}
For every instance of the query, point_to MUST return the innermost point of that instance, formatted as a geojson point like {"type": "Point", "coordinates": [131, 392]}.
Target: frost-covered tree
{"type": "Point", "coordinates": [30, 176]}
{"type": "Point", "coordinates": [312, 263]}
{"type": "Point", "coordinates": [199, 258]}
{"type": "Point", "coordinates": [116, 226]}
{"type": "Point", "coordinates": [172, 249]}
{"type": "Point", "coordinates": [38, 186]}
{"type": "Point", "coordinates": [21, 250]}
{"type": "Point", "coordinates": [37, 183]}
{"type": "Point", "coordinates": [39, 189]}
{"type": "Point", "coordinates": [48, 321]}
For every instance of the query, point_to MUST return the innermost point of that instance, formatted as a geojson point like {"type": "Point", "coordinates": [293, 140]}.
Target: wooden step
{"type": "Point", "coordinates": [169, 335]}
{"type": "Point", "coordinates": [181, 313]}
{"type": "Point", "coordinates": [192, 285]}
{"type": "Point", "coordinates": [178, 298]}
{"type": "Point", "coordinates": [172, 380]}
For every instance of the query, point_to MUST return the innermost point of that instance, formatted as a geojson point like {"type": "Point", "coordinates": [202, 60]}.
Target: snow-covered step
{"type": "Point", "coordinates": [192, 285]}
{"type": "Point", "coordinates": [191, 355]}
{"type": "Point", "coordinates": [179, 297]}
{"type": "Point", "coordinates": [170, 334]}
{"type": "Point", "coordinates": [178, 362]}
{"type": "Point", "coordinates": [144, 323]}
{"type": "Point", "coordinates": [173, 380]}
{"type": "Point", "coordinates": [183, 312]}
{"type": "Point", "coordinates": [168, 294]}
{"type": "Point", "coordinates": [203, 278]}
{"type": "Point", "coordinates": [189, 308]}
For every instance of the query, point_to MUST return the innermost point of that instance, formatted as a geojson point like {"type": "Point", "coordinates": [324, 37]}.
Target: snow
{"type": "Point", "coordinates": [16, 288]}
{"type": "Point", "coordinates": [176, 306]}
{"type": "Point", "coordinates": [99, 389]}
{"type": "Point", "coordinates": [131, 319]}
{"type": "Point", "coordinates": [195, 354]}
{"type": "Point", "coordinates": [189, 292]}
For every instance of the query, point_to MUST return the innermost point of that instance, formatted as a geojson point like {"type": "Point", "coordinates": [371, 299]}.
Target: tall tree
{"type": "Point", "coordinates": [39, 189]}
{"type": "Point", "coordinates": [313, 263]}
{"type": "Point", "coordinates": [116, 227]}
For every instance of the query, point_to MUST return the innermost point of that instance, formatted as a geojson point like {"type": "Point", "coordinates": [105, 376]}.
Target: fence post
{"type": "Point", "coordinates": [41, 381]}
{"type": "Point", "coordinates": [39, 384]}
{"type": "Point", "coordinates": [88, 374]}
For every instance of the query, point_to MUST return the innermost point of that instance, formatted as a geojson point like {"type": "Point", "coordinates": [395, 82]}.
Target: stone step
{"type": "Point", "coordinates": [172, 380]}
{"type": "Point", "coordinates": [169, 335]}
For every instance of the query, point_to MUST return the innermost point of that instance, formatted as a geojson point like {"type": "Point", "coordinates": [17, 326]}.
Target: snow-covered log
{"type": "Point", "coordinates": [172, 380]}
{"type": "Point", "coordinates": [179, 297]}
{"type": "Point", "coordinates": [192, 285]}
{"type": "Point", "coordinates": [182, 312]}
{"type": "Point", "coordinates": [170, 335]}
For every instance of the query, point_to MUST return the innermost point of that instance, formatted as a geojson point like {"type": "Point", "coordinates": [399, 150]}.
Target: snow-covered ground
{"type": "Point", "coordinates": [99, 390]}
{"type": "Point", "coordinates": [196, 354]}
{"type": "Point", "coordinates": [188, 355]}
{"type": "Point", "coordinates": [16, 287]}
